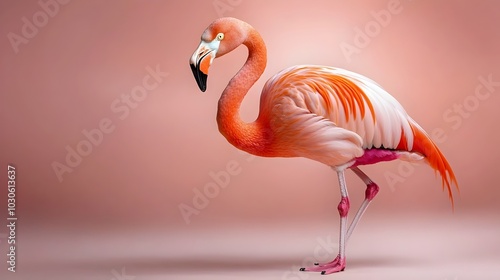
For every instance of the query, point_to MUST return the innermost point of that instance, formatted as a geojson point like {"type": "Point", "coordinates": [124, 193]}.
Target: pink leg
{"type": "Point", "coordinates": [338, 264]}
{"type": "Point", "coordinates": [370, 193]}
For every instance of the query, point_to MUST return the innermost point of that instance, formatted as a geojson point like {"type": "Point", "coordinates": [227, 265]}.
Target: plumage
{"type": "Point", "coordinates": [350, 102]}
{"type": "Point", "coordinates": [331, 115]}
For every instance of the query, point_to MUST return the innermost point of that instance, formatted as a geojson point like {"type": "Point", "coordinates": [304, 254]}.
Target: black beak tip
{"type": "Point", "coordinates": [200, 77]}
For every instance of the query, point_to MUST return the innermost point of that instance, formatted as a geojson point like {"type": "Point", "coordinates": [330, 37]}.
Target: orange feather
{"type": "Point", "coordinates": [423, 144]}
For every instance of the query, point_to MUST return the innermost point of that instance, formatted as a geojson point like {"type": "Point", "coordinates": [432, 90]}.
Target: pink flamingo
{"type": "Point", "coordinates": [330, 115]}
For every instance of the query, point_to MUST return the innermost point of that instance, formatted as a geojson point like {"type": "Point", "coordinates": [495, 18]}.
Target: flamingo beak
{"type": "Point", "coordinates": [200, 63]}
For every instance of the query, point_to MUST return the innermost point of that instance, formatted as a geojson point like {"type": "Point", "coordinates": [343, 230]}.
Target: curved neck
{"type": "Point", "coordinates": [245, 136]}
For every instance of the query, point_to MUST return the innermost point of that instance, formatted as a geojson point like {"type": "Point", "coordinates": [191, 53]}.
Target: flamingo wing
{"type": "Point", "coordinates": [298, 132]}
{"type": "Point", "coordinates": [349, 100]}
{"type": "Point", "coordinates": [332, 115]}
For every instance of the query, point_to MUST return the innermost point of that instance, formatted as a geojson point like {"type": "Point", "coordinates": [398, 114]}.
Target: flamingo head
{"type": "Point", "coordinates": [221, 36]}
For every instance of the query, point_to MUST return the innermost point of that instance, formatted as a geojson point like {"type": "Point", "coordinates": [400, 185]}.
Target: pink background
{"type": "Point", "coordinates": [90, 53]}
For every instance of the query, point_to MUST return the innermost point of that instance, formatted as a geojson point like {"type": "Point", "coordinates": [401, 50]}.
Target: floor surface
{"type": "Point", "coordinates": [441, 248]}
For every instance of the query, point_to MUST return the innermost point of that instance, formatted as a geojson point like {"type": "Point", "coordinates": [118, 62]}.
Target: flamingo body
{"type": "Point", "coordinates": [330, 115]}
{"type": "Point", "coordinates": [333, 116]}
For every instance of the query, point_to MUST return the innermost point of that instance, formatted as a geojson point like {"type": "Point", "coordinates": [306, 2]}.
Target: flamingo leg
{"type": "Point", "coordinates": [338, 264]}
{"type": "Point", "coordinates": [370, 193]}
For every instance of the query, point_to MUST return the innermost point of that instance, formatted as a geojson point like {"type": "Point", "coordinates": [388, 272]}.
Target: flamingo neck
{"type": "Point", "coordinates": [245, 136]}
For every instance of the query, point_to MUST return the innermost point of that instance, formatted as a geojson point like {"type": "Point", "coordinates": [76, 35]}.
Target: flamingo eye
{"type": "Point", "coordinates": [220, 36]}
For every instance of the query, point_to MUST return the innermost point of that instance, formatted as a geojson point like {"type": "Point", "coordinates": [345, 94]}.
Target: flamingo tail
{"type": "Point", "coordinates": [423, 144]}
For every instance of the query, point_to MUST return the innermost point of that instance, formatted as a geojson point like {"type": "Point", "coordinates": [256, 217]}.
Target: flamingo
{"type": "Point", "coordinates": [330, 115]}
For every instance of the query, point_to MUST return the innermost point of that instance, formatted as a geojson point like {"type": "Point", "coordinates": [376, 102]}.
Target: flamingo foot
{"type": "Point", "coordinates": [337, 265]}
